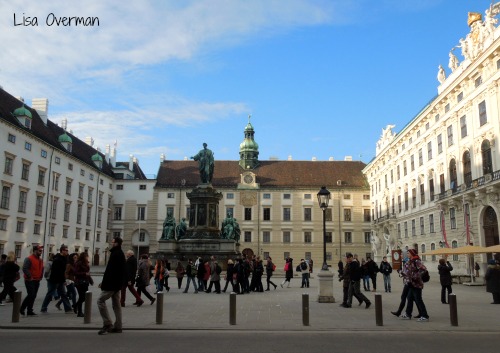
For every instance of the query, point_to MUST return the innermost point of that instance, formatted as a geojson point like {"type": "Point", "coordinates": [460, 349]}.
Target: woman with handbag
{"type": "Point", "coordinates": [10, 276]}
{"type": "Point", "coordinates": [82, 280]}
{"type": "Point", "coordinates": [288, 271]}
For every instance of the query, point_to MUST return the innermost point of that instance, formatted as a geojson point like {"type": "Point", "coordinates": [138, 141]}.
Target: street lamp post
{"type": "Point", "coordinates": [325, 277]}
{"type": "Point", "coordinates": [323, 200]}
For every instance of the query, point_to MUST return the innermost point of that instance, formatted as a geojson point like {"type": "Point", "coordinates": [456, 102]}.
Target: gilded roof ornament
{"type": "Point", "coordinates": [473, 17]}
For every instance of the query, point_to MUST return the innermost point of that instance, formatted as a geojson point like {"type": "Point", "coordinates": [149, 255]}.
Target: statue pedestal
{"type": "Point", "coordinates": [325, 278]}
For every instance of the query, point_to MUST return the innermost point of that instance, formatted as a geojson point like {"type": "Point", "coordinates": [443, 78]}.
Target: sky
{"type": "Point", "coordinates": [320, 78]}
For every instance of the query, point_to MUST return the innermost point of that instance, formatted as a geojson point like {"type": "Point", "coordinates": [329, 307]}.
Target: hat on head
{"type": "Point", "coordinates": [37, 247]}
{"type": "Point", "coordinates": [348, 254]}
{"type": "Point", "coordinates": [412, 252]}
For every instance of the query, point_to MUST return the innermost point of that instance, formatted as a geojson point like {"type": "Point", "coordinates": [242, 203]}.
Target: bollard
{"type": "Point", "coordinates": [232, 308]}
{"type": "Point", "coordinates": [305, 309]}
{"type": "Point", "coordinates": [88, 308]}
{"type": "Point", "coordinates": [16, 306]}
{"type": "Point", "coordinates": [159, 308]}
{"type": "Point", "coordinates": [452, 301]}
{"type": "Point", "coordinates": [378, 310]}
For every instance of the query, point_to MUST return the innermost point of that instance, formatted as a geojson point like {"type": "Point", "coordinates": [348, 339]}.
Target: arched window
{"type": "Point", "coordinates": [454, 244]}
{"type": "Point", "coordinates": [467, 169]}
{"type": "Point", "coordinates": [453, 175]}
{"type": "Point", "coordinates": [433, 247]}
{"type": "Point", "coordinates": [422, 251]}
{"type": "Point", "coordinates": [486, 154]}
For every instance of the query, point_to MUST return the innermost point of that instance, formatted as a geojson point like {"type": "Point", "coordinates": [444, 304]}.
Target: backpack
{"type": "Point", "coordinates": [424, 275]}
{"type": "Point", "coordinates": [303, 266]}
{"type": "Point", "coordinates": [298, 269]}
{"type": "Point", "coordinates": [218, 269]}
{"type": "Point", "coordinates": [274, 267]}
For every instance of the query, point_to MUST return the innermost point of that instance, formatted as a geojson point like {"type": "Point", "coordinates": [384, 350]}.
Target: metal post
{"type": "Point", "coordinates": [325, 266]}
{"type": "Point", "coordinates": [378, 310]}
{"type": "Point", "coordinates": [452, 300]}
{"type": "Point", "coordinates": [305, 309]}
{"type": "Point", "coordinates": [232, 308]}
{"type": "Point", "coordinates": [88, 308]}
{"type": "Point", "coordinates": [16, 306]}
{"type": "Point", "coordinates": [159, 308]}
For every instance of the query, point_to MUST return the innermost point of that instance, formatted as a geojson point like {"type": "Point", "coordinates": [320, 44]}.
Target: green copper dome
{"type": "Point", "coordinates": [65, 138]}
{"type": "Point", "coordinates": [249, 144]}
{"type": "Point", "coordinates": [22, 111]}
{"type": "Point", "coordinates": [97, 158]}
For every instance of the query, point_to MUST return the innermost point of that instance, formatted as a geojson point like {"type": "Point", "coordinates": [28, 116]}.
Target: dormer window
{"type": "Point", "coordinates": [24, 116]}
{"type": "Point", "coordinates": [97, 159]}
{"type": "Point", "coordinates": [66, 141]}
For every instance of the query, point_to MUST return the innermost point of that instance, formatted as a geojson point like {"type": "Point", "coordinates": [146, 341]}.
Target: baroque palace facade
{"type": "Point", "coordinates": [59, 189]}
{"type": "Point", "coordinates": [436, 183]}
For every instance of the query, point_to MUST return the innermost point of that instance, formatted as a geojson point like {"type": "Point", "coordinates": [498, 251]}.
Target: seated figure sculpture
{"type": "Point", "coordinates": [181, 228]}
{"type": "Point", "coordinates": [230, 228]}
{"type": "Point", "coordinates": [168, 227]}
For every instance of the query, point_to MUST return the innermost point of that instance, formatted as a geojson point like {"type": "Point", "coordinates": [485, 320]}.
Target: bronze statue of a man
{"type": "Point", "coordinates": [205, 160]}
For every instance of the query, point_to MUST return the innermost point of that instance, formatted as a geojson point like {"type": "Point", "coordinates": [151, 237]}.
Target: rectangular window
{"type": "Point", "coordinates": [412, 163]}
{"type": "Point", "coordinates": [449, 132]}
{"type": "Point", "coordinates": [11, 138]}
{"type": "Point", "coordinates": [118, 213]}
{"type": "Point", "coordinates": [65, 232]}
{"type": "Point", "coordinates": [367, 197]}
{"type": "Point", "coordinates": [248, 237]}
{"type": "Point", "coordinates": [483, 118]}
{"type": "Point", "coordinates": [41, 177]}
{"type": "Point", "coordinates": [431, 189]}
{"type": "Point", "coordinates": [405, 171]}
{"type": "Point", "coordinates": [348, 237]}
{"type": "Point", "coordinates": [431, 223]}
{"type": "Point", "coordinates": [267, 214]}
{"type": "Point", "coordinates": [68, 186]}
{"type": "Point", "coordinates": [463, 126]}
{"type": "Point", "coordinates": [414, 197]}
{"type": "Point", "coordinates": [287, 196]}
{"type": "Point", "coordinates": [347, 196]}
{"type": "Point", "coordinates": [23, 199]}
{"type": "Point", "coordinates": [266, 196]}
{"type": "Point", "coordinates": [82, 172]}
{"type": "Point", "coordinates": [9, 164]}
{"type": "Point", "coordinates": [286, 214]}
{"type": "Point", "coordinates": [368, 237]}
{"type": "Point", "coordinates": [406, 200]}
{"type": "Point", "coordinates": [229, 196]}
{"type": "Point", "coordinates": [420, 157]}
{"type": "Point", "coordinates": [39, 205]}
{"type": "Point", "coordinates": [119, 187]}
{"type": "Point", "coordinates": [141, 213]}
{"type": "Point", "coordinates": [89, 215]}
{"type": "Point", "coordinates": [460, 96]}
{"type": "Point", "coordinates": [347, 214]}
{"type": "Point", "coordinates": [478, 81]}
{"type": "Point", "coordinates": [36, 228]}
{"type": "Point", "coordinates": [328, 237]}
{"type": "Point", "coordinates": [53, 212]}
{"type": "Point", "coordinates": [406, 229]}
{"type": "Point", "coordinates": [80, 191]}
{"type": "Point", "coordinates": [170, 195]}
{"type": "Point", "coordinates": [286, 237]}
{"type": "Point", "coordinates": [4, 203]}
{"type": "Point", "coordinates": [399, 204]}
{"type": "Point", "coordinates": [100, 198]}
{"type": "Point", "coordinates": [422, 226]}
{"type": "Point", "coordinates": [328, 215]}
{"type": "Point", "coordinates": [429, 150]}
{"type": "Point", "coordinates": [248, 214]}
{"type": "Point", "coordinates": [307, 237]}
{"type": "Point", "coordinates": [266, 236]}
{"type": "Point", "coordinates": [27, 146]}
{"type": "Point", "coordinates": [422, 194]}
{"type": "Point", "coordinates": [90, 194]}
{"type": "Point", "coordinates": [442, 186]}
{"type": "Point", "coordinates": [413, 230]}
{"type": "Point", "coordinates": [142, 187]}
{"type": "Point", "coordinates": [25, 172]}
{"type": "Point", "coordinates": [20, 226]}
{"type": "Point", "coordinates": [87, 236]}
{"type": "Point", "coordinates": [453, 220]}
{"type": "Point", "coordinates": [70, 166]}
{"type": "Point", "coordinates": [447, 108]}
{"type": "Point", "coordinates": [58, 160]}
{"type": "Point", "coordinates": [91, 176]}
{"type": "Point", "coordinates": [307, 196]}
{"type": "Point", "coordinates": [67, 209]}
{"type": "Point", "coordinates": [440, 143]}
{"type": "Point", "coordinates": [307, 214]}
{"type": "Point", "coordinates": [399, 230]}
{"type": "Point", "coordinates": [3, 224]}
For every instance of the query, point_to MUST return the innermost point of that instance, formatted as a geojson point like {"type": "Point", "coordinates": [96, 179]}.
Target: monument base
{"type": "Point", "coordinates": [325, 278]}
{"type": "Point", "coordinates": [190, 248]}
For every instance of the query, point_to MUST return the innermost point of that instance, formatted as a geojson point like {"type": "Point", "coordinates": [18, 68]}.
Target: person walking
{"type": "Point", "coordinates": [10, 276]}
{"type": "Point", "coordinates": [365, 276]}
{"type": "Point", "coordinates": [200, 275]}
{"type": "Point", "coordinates": [179, 274]}
{"type": "Point", "coordinates": [131, 269]}
{"type": "Point", "coordinates": [305, 273]}
{"type": "Point", "coordinates": [354, 271]}
{"type": "Point", "coordinates": [413, 270]}
{"type": "Point", "coordinates": [82, 280]}
{"type": "Point", "coordinates": [372, 270]}
{"type": "Point", "coordinates": [143, 279]}
{"type": "Point", "coordinates": [70, 282]}
{"type": "Point", "coordinates": [258, 271]}
{"type": "Point", "coordinates": [346, 281]}
{"type": "Point", "coordinates": [115, 276]}
{"type": "Point", "coordinates": [288, 271]}
{"type": "Point", "coordinates": [270, 267]}
{"type": "Point", "coordinates": [492, 278]}
{"type": "Point", "coordinates": [32, 273]}
{"type": "Point", "coordinates": [191, 275]}
{"type": "Point", "coordinates": [386, 270]}
{"type": "Point", "coordinates": [229, 275]}
{"type": "Point", "coordinates": [444, 269]}
{"type": "Point", "coordinates": [56, 283]}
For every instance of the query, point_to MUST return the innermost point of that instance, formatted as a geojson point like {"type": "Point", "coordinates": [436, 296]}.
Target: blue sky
{"type": "Point", "coordinates": [321, 78]}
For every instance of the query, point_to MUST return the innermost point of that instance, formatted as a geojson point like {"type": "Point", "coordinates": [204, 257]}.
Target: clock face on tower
{"type": "Point", "coordinates": [248, 179]}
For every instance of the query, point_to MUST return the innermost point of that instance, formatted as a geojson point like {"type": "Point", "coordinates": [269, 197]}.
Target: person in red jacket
{"type": "Point", "coordinates": [33, 272]}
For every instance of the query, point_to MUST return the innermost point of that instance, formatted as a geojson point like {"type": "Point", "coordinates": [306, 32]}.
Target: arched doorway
{"type": "Point", "coordinates": [490, 226]}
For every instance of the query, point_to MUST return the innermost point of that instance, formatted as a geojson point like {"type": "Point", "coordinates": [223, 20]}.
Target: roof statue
{"type": "Point", "coordinates": [441, 75]}
{"type": "Point", "coordinates": [453, 63]}
{"type": "Point", "coordinates": [386, 137]}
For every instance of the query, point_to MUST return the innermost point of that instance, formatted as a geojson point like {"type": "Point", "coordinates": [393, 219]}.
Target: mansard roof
{"type": "Point", "coordinates": [269, 174]}
{"type": "Point", "coordinates": [49, 133]}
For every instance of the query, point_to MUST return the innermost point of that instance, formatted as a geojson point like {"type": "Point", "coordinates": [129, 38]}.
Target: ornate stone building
{"type": "Point", "coordinates": [437, 182]}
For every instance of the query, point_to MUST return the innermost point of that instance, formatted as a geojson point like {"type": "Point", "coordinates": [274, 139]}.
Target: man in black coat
{"type": "Point", "coordinates": [57, 280]}
{"type": "Point", "coordinates": [355, 276]}
{"type": "Point", "coordinates": [131, 265]}
{"type": "Point", "coordinates": [115, 276]}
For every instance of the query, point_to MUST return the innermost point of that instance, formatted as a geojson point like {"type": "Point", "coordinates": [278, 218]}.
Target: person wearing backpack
{"type": "Point", "coordinates": [305, 273]}
{"type": "Point", "coordinates": [190, 277]}
{"type": "Point", "coordinates": [288, 271]}
{"type": "Point", "coordinates": [386, 270]}
{"type": "Point", "coordinates": [444, 269]}
{"type": "Point", "coordinates": [270, 267]}
{"type": "Point", "coordinates": [413, 272]}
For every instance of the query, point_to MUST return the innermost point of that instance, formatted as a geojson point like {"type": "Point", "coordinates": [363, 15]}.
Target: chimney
{"type": "Point", "coordinates": [131, 163]}
{"type": "Point", "coordinates": [89, 141]}
{"type": "Point", "coordinates": [41, 105]}
{"type": "Point", "coordinates": [186, 159]}
{"type": "Point", "coordinates": [290, 157]}
{"type": "Point", "coordinates": [112, 160]}
{"type": "Point", "coordinates": [314, 159]}
{"type": "Point", "coordinates": [348, 158]}
{"type": "Point", "coordinates": [331, 159]}
{"type": "Point", "coordinates": [106, 155]}
{"type": "Point", "coordinates": [162, 158]}
{"type": "Point", "coordinates": [64, 124]}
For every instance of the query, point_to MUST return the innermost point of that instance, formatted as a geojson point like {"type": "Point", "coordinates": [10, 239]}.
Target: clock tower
{"type": "Point", "coordinates": [249, 149]}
